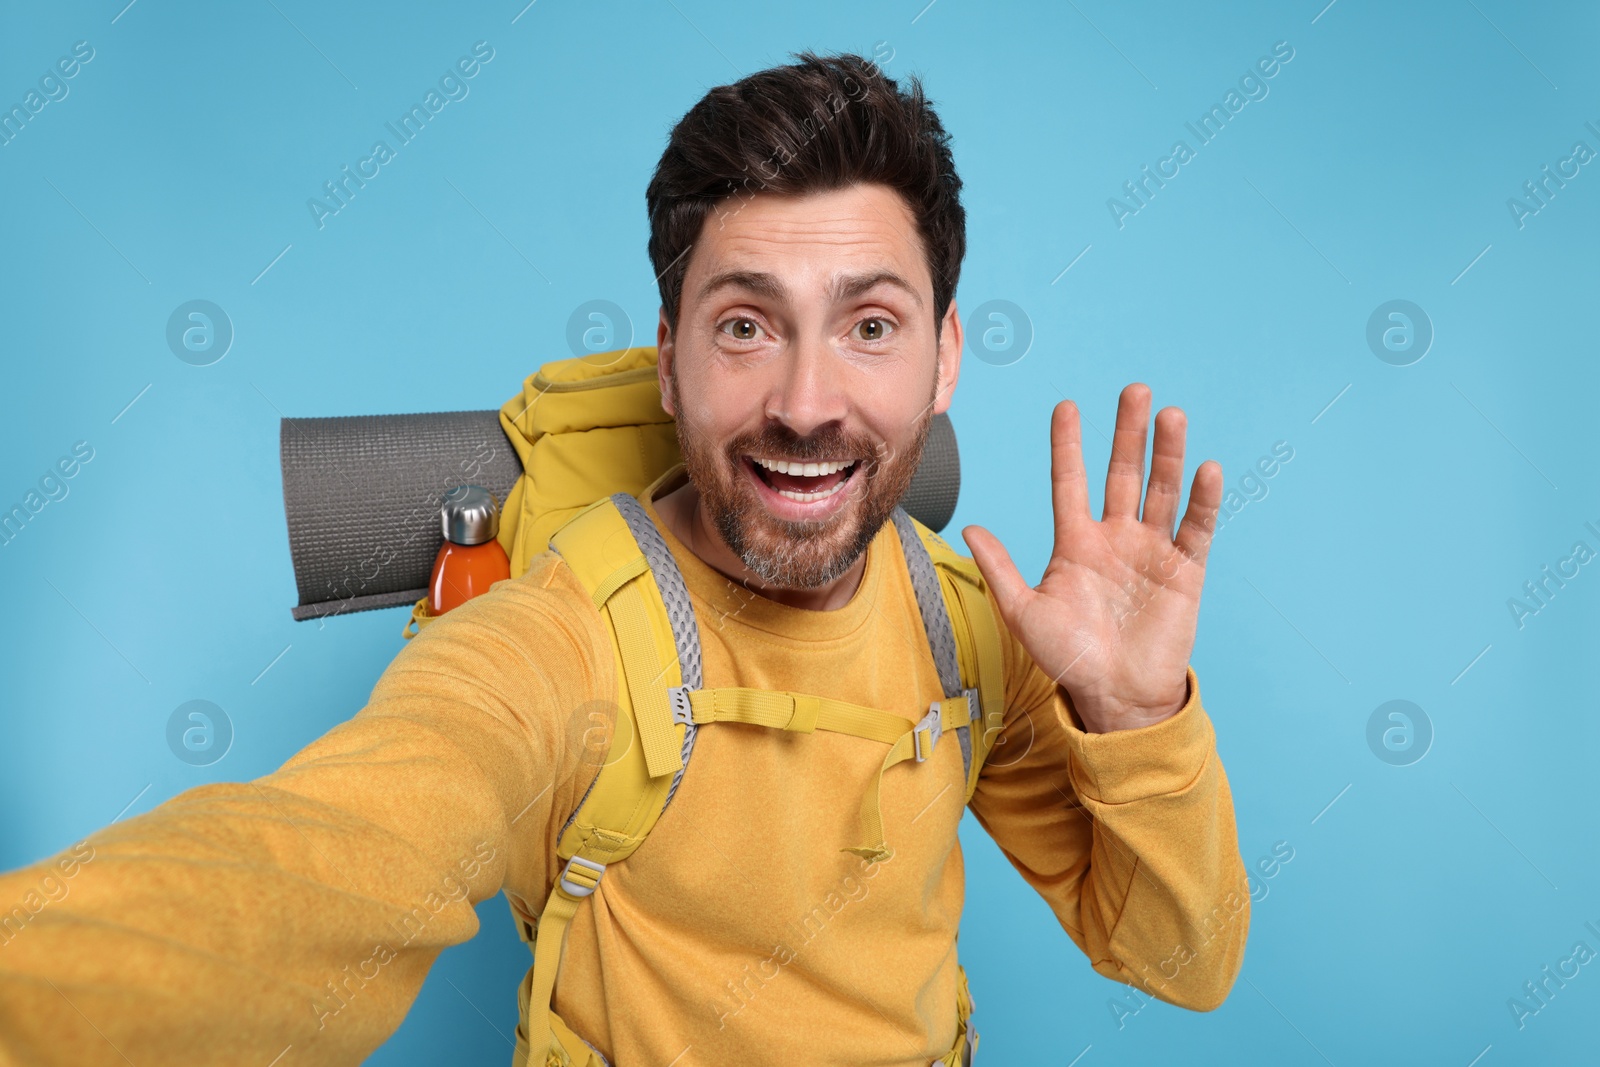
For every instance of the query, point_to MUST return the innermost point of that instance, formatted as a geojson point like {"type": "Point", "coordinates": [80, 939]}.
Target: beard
{"type": "Point", "coordinates": [797, 554]}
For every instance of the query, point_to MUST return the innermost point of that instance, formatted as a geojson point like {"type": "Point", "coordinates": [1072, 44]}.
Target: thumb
{"type": "Point", "coordinates": [1011, 590]}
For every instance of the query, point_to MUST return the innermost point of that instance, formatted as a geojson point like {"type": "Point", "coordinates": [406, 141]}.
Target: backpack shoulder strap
{"type": "Point", "coordinates": [963, 634]}
{"type": "Point", "coordinates": [619, 556]}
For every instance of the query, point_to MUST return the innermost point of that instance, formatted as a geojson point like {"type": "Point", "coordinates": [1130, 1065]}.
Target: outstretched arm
{"type": "Point", "coordinates": [303, 909]}
{"type": "Point", "coordinates": [1106, 791]}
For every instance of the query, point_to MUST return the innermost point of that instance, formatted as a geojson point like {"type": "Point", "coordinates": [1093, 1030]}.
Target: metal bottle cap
{"type": "Point", "coordinates": [469, 515]}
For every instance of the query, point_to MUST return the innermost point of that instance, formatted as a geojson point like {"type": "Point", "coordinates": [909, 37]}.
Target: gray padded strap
{"type": "Point", "coordinates": [930, 602]}
{"type": "Point", "coordinates": [675, 594]}
{"type": "Point", "coordinates": [680, 611]}
{"type": "Point", "coordinates": [935, 618]}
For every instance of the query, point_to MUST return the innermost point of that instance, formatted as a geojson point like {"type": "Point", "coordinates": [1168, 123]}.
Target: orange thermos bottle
{"type": "Point", "coordinates": [470, 560]}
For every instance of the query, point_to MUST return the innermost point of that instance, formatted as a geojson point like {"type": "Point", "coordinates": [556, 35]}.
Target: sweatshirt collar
{"type": "Point", "coordinates": [731, 603]}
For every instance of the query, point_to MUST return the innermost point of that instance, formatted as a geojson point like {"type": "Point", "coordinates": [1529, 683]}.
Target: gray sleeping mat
{"type": "Point", "coordinates": [361, 495]}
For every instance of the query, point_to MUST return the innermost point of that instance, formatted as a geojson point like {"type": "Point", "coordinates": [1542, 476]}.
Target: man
{"type": "Point", "coordinates": [808, 333]}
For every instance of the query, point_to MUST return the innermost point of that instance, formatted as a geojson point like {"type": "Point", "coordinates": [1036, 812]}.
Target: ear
{"type": "Point", "coordinates": [950, 343]}
{"type": "Point", "coordinates": [664, 357]}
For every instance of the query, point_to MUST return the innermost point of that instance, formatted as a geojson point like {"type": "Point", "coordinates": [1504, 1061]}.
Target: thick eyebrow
{"type": "Point", "coordinates": [844, 286]}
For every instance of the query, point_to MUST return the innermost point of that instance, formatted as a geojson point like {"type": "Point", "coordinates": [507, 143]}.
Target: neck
{"type": "Point", "coordinates": [684, 515]}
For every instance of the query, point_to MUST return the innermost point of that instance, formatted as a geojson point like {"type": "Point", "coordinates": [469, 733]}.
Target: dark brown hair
{"type": "Point", "coordinates": [813, 126]}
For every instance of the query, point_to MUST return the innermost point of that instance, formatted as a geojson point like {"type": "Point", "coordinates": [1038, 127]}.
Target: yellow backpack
{"type": "Point", "coordinates": [594, 425]}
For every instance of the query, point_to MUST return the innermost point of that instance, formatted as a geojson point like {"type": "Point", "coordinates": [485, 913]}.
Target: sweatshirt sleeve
{"type": "Point", "coordinates": [1129, 836]}
{"type": "Point", "coordinates": [301, 911]}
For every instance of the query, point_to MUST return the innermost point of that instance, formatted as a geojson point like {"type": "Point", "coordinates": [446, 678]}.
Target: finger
{"type": "Point", "coordinates": [1011, 590]}
{"type": "Point", "coordinates": [1069, 483]}
{"type": "Point", "coordinates": [1125, 472]}
{"type": "Point", "coordinates": [1200, 520]}
{"type": "Point", "coordinates": [1161, 496]}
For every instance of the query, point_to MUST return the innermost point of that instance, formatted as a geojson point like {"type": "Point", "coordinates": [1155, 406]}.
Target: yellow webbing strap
{"type": "Point", "coordinates": [614, 581]}
{"type": "Point", "coordinates": [966, 1044]}
{"type": "Point", "coordinates": [802, 712]}
{"type": "Point", "coordinates": [916, 743]}
{"type": "Point", "coordinates": [420, 617]}
{"type": "Point", "coordinates": [646, 677]}
{"type": "Point", "coordinates": [549, 942]}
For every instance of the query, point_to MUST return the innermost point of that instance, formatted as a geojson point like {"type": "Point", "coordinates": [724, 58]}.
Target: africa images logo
{"type": "Point", "coordinates": [1252, 87]}
{"type": "Point", "coordinates": [453, 87]}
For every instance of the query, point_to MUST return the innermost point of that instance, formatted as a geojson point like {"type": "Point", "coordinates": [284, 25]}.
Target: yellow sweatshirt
{"type": "Point", "coordinates": [302, 910]}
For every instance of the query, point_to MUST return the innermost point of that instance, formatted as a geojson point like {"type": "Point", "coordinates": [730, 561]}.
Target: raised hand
{"type": "Point", "coordinates": [1113, 619]}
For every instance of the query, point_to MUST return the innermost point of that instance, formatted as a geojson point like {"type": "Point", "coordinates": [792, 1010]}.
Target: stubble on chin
{"type": "Point", "coordinates": [797, 555]}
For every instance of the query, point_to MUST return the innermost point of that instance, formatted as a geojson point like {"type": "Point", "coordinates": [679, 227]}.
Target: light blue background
{"type": "Point", "coordinates": [1378, 565]}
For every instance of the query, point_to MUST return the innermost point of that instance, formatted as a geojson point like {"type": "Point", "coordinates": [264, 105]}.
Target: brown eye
{"type": "Point", "coordinates": [874, 329]}
{"type": "Point", "coordinates": [743, 329]}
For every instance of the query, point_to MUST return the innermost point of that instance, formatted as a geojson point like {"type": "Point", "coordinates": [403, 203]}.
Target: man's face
{"type": "Point", "coordinates": [804, 372]}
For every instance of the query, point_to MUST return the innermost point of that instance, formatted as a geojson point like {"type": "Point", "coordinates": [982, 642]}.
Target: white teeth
{"type": "Point", "coordinates": [806, 498]}
{"type": "Point", "coordinates": [803, 470]}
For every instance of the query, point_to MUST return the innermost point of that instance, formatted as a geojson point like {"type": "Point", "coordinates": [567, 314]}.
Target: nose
{"type": "Point", "coordinates": [808, 393]}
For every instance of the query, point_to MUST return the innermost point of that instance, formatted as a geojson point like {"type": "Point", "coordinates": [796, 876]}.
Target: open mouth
{"type": "Point", "coordinates": [803, 481]}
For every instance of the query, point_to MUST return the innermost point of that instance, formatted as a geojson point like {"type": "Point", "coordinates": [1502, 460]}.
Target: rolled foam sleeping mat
{"type": "Point", "coordinates": [361, 496]}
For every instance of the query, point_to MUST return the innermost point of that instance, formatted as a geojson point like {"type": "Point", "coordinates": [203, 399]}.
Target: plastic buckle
{"type": "Point", "coordinates": [930, 723]}
{"type": "Point", "coordinates": [682, 710]}
{"type": "Point", "coordinates": [586, 868]}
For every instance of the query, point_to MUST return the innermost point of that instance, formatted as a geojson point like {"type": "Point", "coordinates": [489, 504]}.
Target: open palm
{"type": "Point", "coordinates": [1113, 619]}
